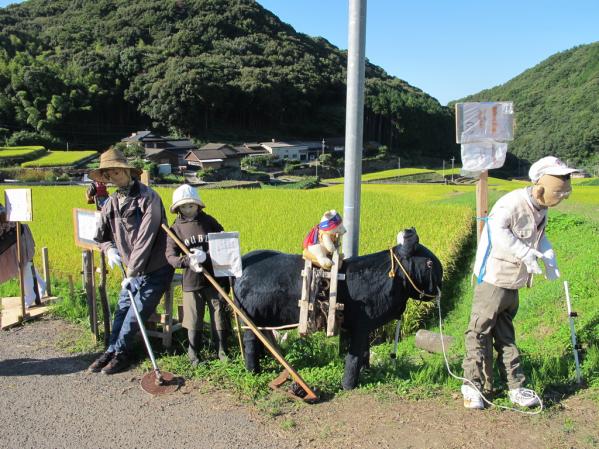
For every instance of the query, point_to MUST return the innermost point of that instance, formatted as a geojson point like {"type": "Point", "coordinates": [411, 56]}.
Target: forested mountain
{"type": "Point", "coordinates": [89, 71]}
{"type": "Point", "coordinates": [557, 107]}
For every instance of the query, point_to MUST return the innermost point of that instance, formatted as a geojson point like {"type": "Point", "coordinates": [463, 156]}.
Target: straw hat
{"type": "Point", "coordinates": [112, 158]}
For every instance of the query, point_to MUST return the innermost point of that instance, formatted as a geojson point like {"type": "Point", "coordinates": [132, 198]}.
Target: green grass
{"type": "Point", "coordinates": [60, 158]}
{"type": "Point", "coordinates": [20, 152]}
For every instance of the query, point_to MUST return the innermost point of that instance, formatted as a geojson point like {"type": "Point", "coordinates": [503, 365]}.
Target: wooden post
{"type": "Point", "coordinates": [71, 286]}
{"type": "Point", "coordinates": [104, 300]}
{"type": "Point", "coordinates": [20, 264]}
{"type": "Point", "coordinates": [88, 276]}
{"type": "Point", "coordinates": [482, 202]}
{"type": "Point", "coordinates": [46, 269]}
{"type": "Point", "coordinates": [310, 395]}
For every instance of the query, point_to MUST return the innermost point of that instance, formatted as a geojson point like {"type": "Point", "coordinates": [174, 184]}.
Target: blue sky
{"type": "Point", "coordinates": [451, 49]}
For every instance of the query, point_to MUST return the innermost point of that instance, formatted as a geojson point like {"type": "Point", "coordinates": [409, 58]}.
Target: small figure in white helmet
{"type": "Point", "coordinates": [192, 227]}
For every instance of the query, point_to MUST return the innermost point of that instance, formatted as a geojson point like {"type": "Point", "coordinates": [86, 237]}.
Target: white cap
{"type": "Point", "coordinates": [549, 165]}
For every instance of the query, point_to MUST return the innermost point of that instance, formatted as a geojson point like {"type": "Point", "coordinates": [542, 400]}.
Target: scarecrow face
{"type": "Point", "coordinates": [551, 190]}
{"type": "Point", "coordinates": [189, 210]}
{"type": "Point", "coordinates": [118, 176]}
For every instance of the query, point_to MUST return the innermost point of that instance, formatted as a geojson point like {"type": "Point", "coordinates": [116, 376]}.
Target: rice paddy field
{"type": "Point", "coordinates": [20, 152]}
{"type": "Point", "coordinates": [444, 218]}
{"type": "Point", "coordinates": [60, 158]}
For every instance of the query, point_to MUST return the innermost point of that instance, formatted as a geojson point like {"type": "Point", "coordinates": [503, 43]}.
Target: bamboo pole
{"type": "Point", "coordinates": [311, 396]}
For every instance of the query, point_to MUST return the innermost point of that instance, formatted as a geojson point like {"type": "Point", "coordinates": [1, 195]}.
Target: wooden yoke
{"type": "Point", "coordinates": [310, 395]}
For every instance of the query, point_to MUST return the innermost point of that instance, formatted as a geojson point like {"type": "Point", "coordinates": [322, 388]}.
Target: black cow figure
{"type": "Point", "coordinates": [271, 285]}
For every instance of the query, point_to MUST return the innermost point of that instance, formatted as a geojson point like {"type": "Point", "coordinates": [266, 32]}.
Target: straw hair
{"type": "Point", "coordinates": [112, 158]}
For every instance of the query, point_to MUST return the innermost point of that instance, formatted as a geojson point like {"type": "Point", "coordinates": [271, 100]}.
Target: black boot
{"type": "Point", "coordinates": [222, 345]}
{"type": "Point", "coordinates": [195, 345]}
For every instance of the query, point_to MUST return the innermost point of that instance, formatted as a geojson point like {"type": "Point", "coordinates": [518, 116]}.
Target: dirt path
{"type": "Point", "coordinates": [48, 400]}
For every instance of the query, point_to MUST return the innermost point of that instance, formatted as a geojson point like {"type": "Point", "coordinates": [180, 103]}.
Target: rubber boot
{"type": "Point", "coordinates": [195, 344]}
{"type": "Point", "coordinates": [222, 345]}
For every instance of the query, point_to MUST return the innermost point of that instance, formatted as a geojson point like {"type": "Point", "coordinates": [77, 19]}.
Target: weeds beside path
{"type": "Point", "coordinates": [49, 400]}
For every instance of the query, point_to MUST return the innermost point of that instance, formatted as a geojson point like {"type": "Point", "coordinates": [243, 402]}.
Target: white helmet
{"type": "Point", "coordinates": [185, 194]}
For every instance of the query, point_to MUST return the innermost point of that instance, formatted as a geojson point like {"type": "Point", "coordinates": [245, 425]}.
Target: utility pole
{"type": "Point", "coordinates": [354, 122]}
{"type": "Point", "coordinates": [398, 163]}
{"type": "Point", "coordinates": [452, 159]}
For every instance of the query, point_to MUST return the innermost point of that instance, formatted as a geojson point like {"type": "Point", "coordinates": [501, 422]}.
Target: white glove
{"type": "Point", "coordinates": [551, 271]}
{"type": "Point", "coordinates": [196, 258]}
{"type": "Point", "coordinates": [131, 283]}
{"type": "Point", "coordinates": [530, 260]}
{"type": "Point", "coordinates": [114, 258]}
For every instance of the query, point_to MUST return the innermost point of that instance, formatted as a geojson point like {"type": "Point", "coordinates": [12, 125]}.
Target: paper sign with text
{"type": "Point", "coordinates": [225, 253]}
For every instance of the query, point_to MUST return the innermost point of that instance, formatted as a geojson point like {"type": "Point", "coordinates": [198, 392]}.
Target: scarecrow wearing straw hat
{"type": "Point", "coordinates": [130, 232]}
{"type": "Point", "coordinates": [192, 226]}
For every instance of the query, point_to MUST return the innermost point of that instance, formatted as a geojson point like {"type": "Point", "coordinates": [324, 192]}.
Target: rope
{"type": "Point", "coordinates": [274, 328]}
{"type": "Point", "coordinates": [492, 404]}
{"type": "Point", "coordinates": [394, 258]}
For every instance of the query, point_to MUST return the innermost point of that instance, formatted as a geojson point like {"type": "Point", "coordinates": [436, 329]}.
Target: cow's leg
{"type": "Point", "coordinates": [252, 350]}
{"type": "Point", "coordinates": [358, 345]}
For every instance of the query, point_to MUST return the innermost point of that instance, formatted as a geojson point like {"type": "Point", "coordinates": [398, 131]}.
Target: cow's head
{"type": "Point", "coordinates": [422, 265]}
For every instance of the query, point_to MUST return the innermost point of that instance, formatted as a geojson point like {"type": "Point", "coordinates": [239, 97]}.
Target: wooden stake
{"type": "Point", "coordinates": [104, 300]}
{"type": "Point", "coordinates": [20, 264]}
{"type": "Point", "coordinates": [46, 269]}
{"type": "Point", "coordinates": [311, 396]}
{"type": "Point", "coordinates": [482, 202]}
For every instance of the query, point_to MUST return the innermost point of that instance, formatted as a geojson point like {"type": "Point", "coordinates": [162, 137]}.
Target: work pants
{"type": "Point", "coordinates": [147, 297]}
{"type": "Point", "coordinates": [493, 309]}
{"type": "Point", "coordinates": [194, 304]}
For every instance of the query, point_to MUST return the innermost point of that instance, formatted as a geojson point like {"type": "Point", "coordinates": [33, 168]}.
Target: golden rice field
{"type": "Point", "coordinates": [278, 219]}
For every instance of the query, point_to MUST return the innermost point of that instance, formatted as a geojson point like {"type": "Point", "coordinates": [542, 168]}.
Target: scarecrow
{"type": "Point", "coordinates": [512, 242]}
{"type": "Point", "coordinates": [192, 226]}
{"type": "Point", "coordinates": [323, 239]}
{"type": "Point", "coordinates": [130, 232]}
{"type": "Point", "coordinates": [97, 194]}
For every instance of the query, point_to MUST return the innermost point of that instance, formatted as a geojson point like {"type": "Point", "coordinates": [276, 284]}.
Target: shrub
{"type": "Point", "coordinates": [33, 138]}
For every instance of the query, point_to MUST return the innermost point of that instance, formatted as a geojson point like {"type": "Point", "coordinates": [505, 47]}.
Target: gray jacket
{"type": "Point", "coordinates": [134, 229]}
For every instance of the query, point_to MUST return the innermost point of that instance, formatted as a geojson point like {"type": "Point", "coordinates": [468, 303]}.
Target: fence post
{"type": "Point", "coordinates": [46, 269]}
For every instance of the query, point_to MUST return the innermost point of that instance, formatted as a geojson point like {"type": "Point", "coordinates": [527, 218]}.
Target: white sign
{"type": "Point", "coordinates": [476, 122]}
{"type": "Point", "coordinates": [18, 205]}
{"type": "Point", "coordinates": [85, 225]}
{"type": "Point", "coordinates": [225, 253]}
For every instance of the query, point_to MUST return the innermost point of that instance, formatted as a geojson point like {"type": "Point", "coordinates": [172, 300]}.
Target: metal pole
{"type": "Point", "coordinates": [452, 160]}
{"type": "Point", "coordinates": [354, 123]}
{"type": "Point", "coordinates": [571, 316]}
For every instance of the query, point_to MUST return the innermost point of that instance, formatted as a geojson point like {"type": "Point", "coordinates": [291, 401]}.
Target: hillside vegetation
{"type": "Point", "coordinates": [557, 107]}
{"type": "Point", "coordinates": [90, 71]}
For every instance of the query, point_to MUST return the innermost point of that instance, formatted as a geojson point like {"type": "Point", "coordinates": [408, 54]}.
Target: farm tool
{"type": "Point", "coordinates": [304, 392]}
{"type": "Point", "coordinates": [154, 382]}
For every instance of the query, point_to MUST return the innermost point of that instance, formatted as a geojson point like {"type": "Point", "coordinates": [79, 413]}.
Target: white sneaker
{"type": "Point", "coordinates": [472, 398]}
{"type": "Point", "coordinates": [524, 397]}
